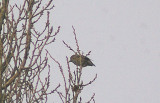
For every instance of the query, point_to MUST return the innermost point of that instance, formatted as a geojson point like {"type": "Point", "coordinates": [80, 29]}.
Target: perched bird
{"type": "Point", "coordinates": [81, 60]}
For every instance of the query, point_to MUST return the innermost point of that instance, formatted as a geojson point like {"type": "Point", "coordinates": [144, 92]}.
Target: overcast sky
{"type": "Point", "coordinates": [124, 37]}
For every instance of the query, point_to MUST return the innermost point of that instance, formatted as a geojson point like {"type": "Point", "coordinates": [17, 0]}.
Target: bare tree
{"type": "Point", "coordinates": [23, 59]}
{"type": "Point", "coordinates": [21, 48]}
{"type": "Point", "coordinates": [73, 84]}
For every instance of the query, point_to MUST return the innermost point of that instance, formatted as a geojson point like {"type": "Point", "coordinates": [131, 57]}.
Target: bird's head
{"type": "Point", "coordinates": [73, 58]}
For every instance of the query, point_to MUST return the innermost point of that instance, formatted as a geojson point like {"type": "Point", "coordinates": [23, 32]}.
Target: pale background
{"type": "Point", "coordinates": [124, 37]}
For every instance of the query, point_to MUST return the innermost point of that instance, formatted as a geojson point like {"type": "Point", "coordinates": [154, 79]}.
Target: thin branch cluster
{"type": "Point", "coordinates": [23, 59]}
{"type": "Point", "coordinates": [73, 84]}
{"type": "Point", "coordinates": [21, 48]}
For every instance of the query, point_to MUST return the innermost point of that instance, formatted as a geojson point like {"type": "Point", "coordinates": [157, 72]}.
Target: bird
{"type": "Point", "coordinates": [81, 60]}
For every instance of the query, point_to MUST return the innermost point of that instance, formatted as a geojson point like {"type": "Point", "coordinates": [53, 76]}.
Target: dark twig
{"type": "Point", "coordinates": [74, 32]}
{"type": "Point", "coordinates": [88, 53]}
{"type": "Point", "coordinates": [68, 46]}
{"type": "Point", "coordinates": [92, 98]}
{"type": "Point", "coordinates": [91, 81]}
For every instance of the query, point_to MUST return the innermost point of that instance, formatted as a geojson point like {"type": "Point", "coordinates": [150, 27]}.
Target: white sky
{"type": "Point", "coordinates": [124, 37]}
